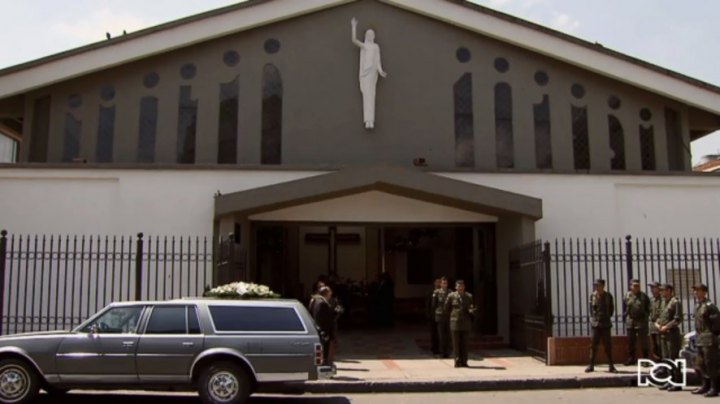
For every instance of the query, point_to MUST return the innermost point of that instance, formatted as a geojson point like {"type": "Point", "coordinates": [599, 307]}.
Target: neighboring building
{"type": "Point", "coordinates": [490, 132]}
{"type": "Point", "coordinates": [708, 164]}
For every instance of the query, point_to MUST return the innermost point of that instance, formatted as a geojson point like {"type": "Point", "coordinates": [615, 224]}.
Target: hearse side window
{"type": "Point", "coordinates": [193, 323]}
{"type": "Point", "coordinates": [167, 320]}
{"type": "Point", "coordinates": [234, 318]}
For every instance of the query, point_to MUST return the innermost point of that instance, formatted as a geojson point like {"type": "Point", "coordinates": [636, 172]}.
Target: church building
{"type": "Point", "coordinates": [354, 138]}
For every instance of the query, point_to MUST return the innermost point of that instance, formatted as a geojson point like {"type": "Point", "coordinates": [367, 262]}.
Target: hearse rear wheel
{"type": "Point", "coordinates": [224, 383]}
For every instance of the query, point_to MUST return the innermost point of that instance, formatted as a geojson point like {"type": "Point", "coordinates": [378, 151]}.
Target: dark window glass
{"type": "Point", "coordinates": [462, 54]}
{"type": "Point", "coordinates": [106, 129]}
{"type": "Point", "coordinates": [614, 102]}
{"type": "Point", "coordinates": [167, 320]}
{"type": "Point", "coordinates": [40, 130]}
{"type": "Point", "coordinates": [677, 149]}
{"type": "Point", "coordinates": [645, 114]}
{"type": "Point", "coordinates": [272, 46]}
{"type": "Point", "coordinates": [187, 71]}
{"type": "Point", "coordinates": [228, 123]}
{"type": "Point", "coordinates": [647, 148]}
{"type": "Point", "coordinates": [577, 90]}
{"type": "Point", "coordinates": [151, 80]}
{"type": "Point", "coordinates": [464, 147]}
{"type": "Point", "coordinates": [117, 320]}
{"type": "Point", "coordinates": [147, 129]}
{"type": "Point", "coordinates": [504, 149]}
{"type": "Point", "coordinates": [617, 143]}
{"type": "Point", "coordinates": [543, 141]}
{"type": "Point", "coordinates": [231, 58]}
{"type": "Point", "coordinates": [502, 65]}
{"type": "Point", "coordinates": [231, 318]}
{"type": "Point", "coordinates": [193, 323]}
{"type": "Point", "coordinates": [541, 78]}
{"type": "Point", "coordinates": [187, 125]}
{"type": "Point", "coordinates": [272, 93]}
{"type": "Point", "coordinates": [107, 93]}
{"type": "Point", "coordinates": [581, 142]}
{"type": "Point", "coordinates": [71, 142]}
{"type": "Point", "coordinates": [74, 101]}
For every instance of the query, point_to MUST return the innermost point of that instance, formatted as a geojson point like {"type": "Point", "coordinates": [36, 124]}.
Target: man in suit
{"type": "Point", "coordinates": [324, 316]}
{"type": "Point", "coordinates": [459, 305]}
{"type": "Point", "coordinates": [602, 307]}
{"type": "Point", "coordinates": [442, 317]}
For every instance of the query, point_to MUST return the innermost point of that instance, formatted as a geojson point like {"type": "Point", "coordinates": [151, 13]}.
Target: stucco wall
{"type": "Point", "coordinates": [322, 108]}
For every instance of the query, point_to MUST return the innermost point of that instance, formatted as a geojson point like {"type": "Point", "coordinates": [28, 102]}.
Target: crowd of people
{"type": "Point", "coordinates": [658, 320]}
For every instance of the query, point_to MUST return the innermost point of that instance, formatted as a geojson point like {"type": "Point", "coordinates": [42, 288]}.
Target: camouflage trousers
{"type": "Point", "coordinates": [670, 342]}
{"type": "Point", "coordinates": [707, 360]}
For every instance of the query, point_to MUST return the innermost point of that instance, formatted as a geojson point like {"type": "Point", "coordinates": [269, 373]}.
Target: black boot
{"type": "Point", "coordinates": [590, 368]}
{"type": "Point", "coordinates": [629, 361]}
{"type": "Point", "coordinates": [713, 392]}
{"type": "Point", "coordinates": [612, 369]}
{"type": "Point", "coordinates": [703, 388]}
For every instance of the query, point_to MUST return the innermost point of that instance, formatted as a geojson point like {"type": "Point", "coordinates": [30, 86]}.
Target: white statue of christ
{"type": "Point", "coordinates": [370, 68]}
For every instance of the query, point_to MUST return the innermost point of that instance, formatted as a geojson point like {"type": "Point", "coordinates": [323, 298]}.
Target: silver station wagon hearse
{"type": "Point", "coordinates": [224, 349]}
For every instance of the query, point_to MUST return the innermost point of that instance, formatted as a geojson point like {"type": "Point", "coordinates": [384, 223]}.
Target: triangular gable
{"type": "Point", "coordinates": [256, 13]}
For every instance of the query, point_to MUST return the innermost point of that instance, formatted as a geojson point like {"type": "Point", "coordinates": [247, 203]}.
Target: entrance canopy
{"type": "Point", "coordinates": [377, 194]}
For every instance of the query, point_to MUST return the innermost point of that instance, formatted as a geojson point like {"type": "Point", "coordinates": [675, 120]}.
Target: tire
{"type": "Point", "coordinates": [19, 382]}
{"type": "Point", "coordinates": [224, 383]}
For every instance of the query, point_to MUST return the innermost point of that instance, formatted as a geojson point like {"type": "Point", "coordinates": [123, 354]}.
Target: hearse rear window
{"type": "Point", "coordinates": [234, 318]}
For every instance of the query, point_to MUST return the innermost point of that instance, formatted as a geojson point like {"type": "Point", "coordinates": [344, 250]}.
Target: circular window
{"type": "Point", "coordinates": [74, 101]}
{"type": "Point", "coordinates": [107, 93]}
{"type": "Point", "coordinates": [577, 90]}
{"type": "Point", "coordinates": [188, 71]}
{"type": "Point", "coordinates": [613, 102]}
{"type": "Point", "coordinates": [645, 114]}
{"type": "Point", "coordinates": [151, 80]}
{"type": "Point", "coordinates": [541, 78]}
{"type": "Point", "coordinates": [463, 54]}
{"type": "Point", "coordinates": [272, 46]}
{"type": "Point", "coordinates": [231, 58]}
{"type": "Point", "coordinates": [502, 65]}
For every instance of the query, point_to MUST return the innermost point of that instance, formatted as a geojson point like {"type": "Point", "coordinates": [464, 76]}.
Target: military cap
{"type": "Point", "coordinates": [700, 286]}
{"type": "Point", "coordinates": [599, 282]}
{"type": "Point", "coordinates": [667, 286]}
{"type": "Point", "coordinates": [635, 282]}
{"type": "Point", "coordinates": [655, 284]}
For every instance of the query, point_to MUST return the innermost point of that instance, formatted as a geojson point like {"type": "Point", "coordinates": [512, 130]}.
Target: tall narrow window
{"type": "Point", "coordinates": [147, 129]}
{"type": "Point", "coordinates": [504, 148]}
{"type": "Point", "coordinates": [464, 144]}
{"type": "Point", "coordinates": [40, 130]}
{"type": "Point", "coordinates": [271, 145]}
{"type": "Point", "coordinates": [71, 143]}
{"type": "Point", "coordinates": [228, 126]}
{"type": "Point", "coordinates": [581, 142]}
{"type": "Point", "coordinates": [617, 143]}
{"type": "Point", "coordinates": [677, 149]}
{"type": "Point", "coordinates": [647, 147]}
{"type": "Point", "coordinates": [106, 129]}
{"type": "Point", "coordinates": [543, 142]}
{"type": "Point", "coordinates": [187, 126]}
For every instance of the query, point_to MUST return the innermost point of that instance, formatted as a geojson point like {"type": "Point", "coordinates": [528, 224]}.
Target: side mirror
{"type": "Point", "coordinates": [94, 329]}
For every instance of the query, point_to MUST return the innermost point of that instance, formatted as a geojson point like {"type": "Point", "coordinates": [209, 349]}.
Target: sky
{"type": "Point", "coordinates": [678, 35]}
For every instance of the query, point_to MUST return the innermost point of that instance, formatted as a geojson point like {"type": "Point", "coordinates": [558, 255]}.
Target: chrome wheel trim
{"type": "Point", "coordinates": [223, 386]}
{"type": "Point", "coordinates": [14, 383]}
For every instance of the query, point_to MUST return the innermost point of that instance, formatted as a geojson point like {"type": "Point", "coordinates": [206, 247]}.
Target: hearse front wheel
{"type": "Point", "coordinates": [19, 382]}
{"type": "Point", "coordinates": [224, 383]}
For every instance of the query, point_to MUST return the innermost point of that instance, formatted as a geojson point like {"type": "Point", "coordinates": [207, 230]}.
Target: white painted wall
{"type": "Point", "coordinates": [8, 149]}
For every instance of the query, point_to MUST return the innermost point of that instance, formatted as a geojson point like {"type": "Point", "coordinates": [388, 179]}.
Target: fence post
{"type": "Point", "coordinates": [628, 258]}
{"type": "Point", "coordinates": [548, 290]}
{"type": "Point", "coordinates": [138, 266]}
{"type": "Point", "coordinates": [3, 258]}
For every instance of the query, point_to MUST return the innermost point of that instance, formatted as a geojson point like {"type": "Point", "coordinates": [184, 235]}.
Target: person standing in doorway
{"type": "Point", "coordinates": [668, 325]}
{"type": "Point", "coordinates": [637, 311]}
{"type": "Point", "coordinates": [324, 316]}
{"type": "Point", "coordinates": [655, 310]}
{"type": "Point", "coordinates": [442, 317]}
{"type": "Point", "coordinates": [434, 342]}
{"type": "Point", "coordinates": [602, 307]}
{"type": "Point", "coordinates": [460, 306]}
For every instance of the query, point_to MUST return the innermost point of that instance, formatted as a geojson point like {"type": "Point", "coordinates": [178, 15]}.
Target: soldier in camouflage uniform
{"type": "Point", "coordinates": [706, 342]}
{"type": "Point", "coordinates": [668, 325]}
{"type": "Point", "coordinates": [441, 317]}
{"type": "Point", "coordinates": [602, 307]}
{"type": "Point", "coordinates": [636, 312]}
{"type": "Point", "coordinates": [656, 306]}
{"type": "Point", "coordinates": [460, 306]}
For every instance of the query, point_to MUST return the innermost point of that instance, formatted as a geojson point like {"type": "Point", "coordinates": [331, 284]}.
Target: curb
{"type": "Point", "coordinates": [423, 386]}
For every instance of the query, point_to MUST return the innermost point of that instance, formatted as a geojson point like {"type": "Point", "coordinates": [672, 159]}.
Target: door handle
{"type": "Point", "coordinates": [128, 344]}
{"type": "Point", "coordinates": [188, 344]}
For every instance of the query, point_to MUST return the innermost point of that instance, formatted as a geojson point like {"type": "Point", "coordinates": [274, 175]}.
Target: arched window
{"type": "Point", "coordinates": [187, 126]}
{"type": "Point", "coordinates": [71, 139]}
{"type": "Point", "coordinates": [147, 131]}
{"type": "Point", "coordinates": [617, 143]}
{"type": "Point", "coordinates": [464, 144]}
{"type": "Point", "coordinates": [106, 130]}
{"type": "Point", "coordinates": [647, 147]}
{"type": "Point", "coordinates": [228, 123]}
{"type": "Point", "coordinates": [504, 148]}
{"type": "Point", "coordinates": [581, 141]}
{"type": "Point", "coordinates": [272, 93]}
{"type": "Point", "coordinates": [543, 141]}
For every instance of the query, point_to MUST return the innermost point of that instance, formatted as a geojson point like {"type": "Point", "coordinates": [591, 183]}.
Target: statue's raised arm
{"type": "Point", "coordinates": [353, 25]}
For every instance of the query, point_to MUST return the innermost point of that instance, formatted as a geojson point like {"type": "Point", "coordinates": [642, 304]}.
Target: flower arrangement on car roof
{"type": "Point", "coordinates": [242, 290]}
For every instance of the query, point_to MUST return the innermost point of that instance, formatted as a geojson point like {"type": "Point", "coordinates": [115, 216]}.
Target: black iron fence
{"type": "Point", "coordinates": [55, 282]}
{"type": "Point", "coordinates": [575, 263]}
